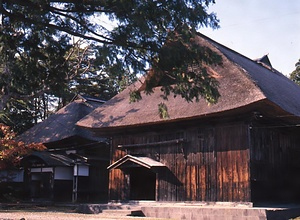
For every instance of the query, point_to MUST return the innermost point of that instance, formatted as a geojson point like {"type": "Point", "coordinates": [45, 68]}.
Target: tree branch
{"type": "Point", "coordinates": [52, 9]}
{"type": "Point", "coordinates": [20, 17]}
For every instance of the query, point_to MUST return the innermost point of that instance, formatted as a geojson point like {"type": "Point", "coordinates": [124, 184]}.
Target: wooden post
{"type": "Point", "coordinates": [75, 184]}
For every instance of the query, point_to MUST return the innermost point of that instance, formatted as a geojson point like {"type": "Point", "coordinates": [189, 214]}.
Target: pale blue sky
{"type": "Point", "coordinates": [258, 27]}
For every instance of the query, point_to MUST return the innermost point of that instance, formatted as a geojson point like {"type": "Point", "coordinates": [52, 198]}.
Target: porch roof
{"type": "Point", "coordinates": [125, 162]}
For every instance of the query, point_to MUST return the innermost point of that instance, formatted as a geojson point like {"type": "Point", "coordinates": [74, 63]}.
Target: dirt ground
{"type": "Point", "coordinates": [28, 215]}
{"type": "Point", "coordinates": [36, 212]}
{"type": "Point", "coordinates": [56, 213]}
{"type": "Point", "coordinates": [51, 215]}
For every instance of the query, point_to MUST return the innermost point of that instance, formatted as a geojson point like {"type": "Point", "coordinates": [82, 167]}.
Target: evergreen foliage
{"type": "Point", "coordinates": [41, 63]}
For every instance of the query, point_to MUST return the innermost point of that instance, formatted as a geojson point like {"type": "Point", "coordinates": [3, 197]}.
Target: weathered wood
{"type": "Point", "coordinates": [204, 163]}
{"type": "Point", "coordinates": [273, 166]}
{"type": "Point", "coordinates": [150, 144]}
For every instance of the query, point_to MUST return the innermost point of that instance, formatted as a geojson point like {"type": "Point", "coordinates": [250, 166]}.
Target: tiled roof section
{"type": "Point", "coordinates": [50, 159]}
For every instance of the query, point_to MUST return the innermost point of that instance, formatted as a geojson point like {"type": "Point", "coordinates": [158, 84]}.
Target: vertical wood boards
{"type": "Point", "coordinates": [233, 163]}
{"type": "Point", "coordinates": [275, 164]}
{"type": "Point", "coordinates": [118, 189]}
{"type": "Point", "coordinates": [212, 164]}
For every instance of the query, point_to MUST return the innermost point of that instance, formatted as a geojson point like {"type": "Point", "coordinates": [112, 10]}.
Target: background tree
{"type": "Point", "coordinates": [87, 74]}
{"type": "Point", "coordinates": [295, 75]}
{"type": "Point", "coordinates": [37, 59]}
{"type": "Point", "coordinates": [32, 65]}
{"type": "Point", "coordinates": [37, 80]}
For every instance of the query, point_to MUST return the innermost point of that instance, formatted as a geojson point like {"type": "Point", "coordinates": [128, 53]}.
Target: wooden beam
{"type": "Point", "coordinates": [175, 141]}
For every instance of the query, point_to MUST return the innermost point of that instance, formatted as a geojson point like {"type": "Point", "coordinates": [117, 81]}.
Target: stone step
{"type": "Point", "coordinates": [116, 212]}
{"type": "Point", "coordinates": [99, 208]}
{"type": "Point", "coordinates": [133, 212]}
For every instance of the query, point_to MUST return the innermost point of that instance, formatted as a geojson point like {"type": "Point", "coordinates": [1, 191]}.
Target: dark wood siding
{"type": "Point", "coordinates": [233, 163]}
{"type": "Point", "coordinates": [275, 164]}
{"type": "Point", "coordinates": [212, 164]}
{"type": "Point", "coordinates": [118, 184]}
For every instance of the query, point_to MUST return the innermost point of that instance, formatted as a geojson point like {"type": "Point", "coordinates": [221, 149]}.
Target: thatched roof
{"type": "Point", "coordinates": [62, 124]}
{"type": "Point", "coordinates": [242, 82]}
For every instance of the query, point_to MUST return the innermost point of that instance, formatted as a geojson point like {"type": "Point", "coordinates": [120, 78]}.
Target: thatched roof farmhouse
{"type": "Point", "coordinates": [243, 148]}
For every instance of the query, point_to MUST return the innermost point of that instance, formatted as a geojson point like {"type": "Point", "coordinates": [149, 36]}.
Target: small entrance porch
{"type": "Point", "coordinates": [142, 175]}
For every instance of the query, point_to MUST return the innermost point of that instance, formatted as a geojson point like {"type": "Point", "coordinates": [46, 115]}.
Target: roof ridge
{"type": "Point", "coordinates": [216, 44]}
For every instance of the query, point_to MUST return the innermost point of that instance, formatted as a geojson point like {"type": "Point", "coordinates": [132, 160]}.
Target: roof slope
{"type": "Point", "coordinates": [62, 124]}
{"type": "Point", "coordinates": [276, 87]}
{"type": "Point", "coordinates": [242, 82]}
{"type": "Point", "coordinates": [128, 160]}
{"type": "Point", "coordinates": [49, 159]}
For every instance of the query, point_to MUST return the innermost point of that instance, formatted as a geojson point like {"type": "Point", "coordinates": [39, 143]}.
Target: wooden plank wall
{"type": "Point", "coordinates": [118, 184]}
{"type": "Point", "coordinates": [233, 160]}
{"type": "Point", "coordinates": [275, 164]}
{"type": "Point", "coordinates": [211, 165]}
{"type": "Point", "coordinates": [219, 164]}
{"type": "Point", "coordinates": [98, 173]}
